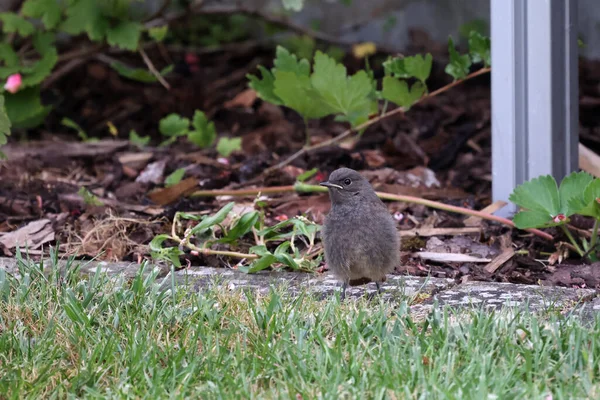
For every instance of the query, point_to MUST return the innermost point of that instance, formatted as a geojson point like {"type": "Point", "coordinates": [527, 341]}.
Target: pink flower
{"type": "Point", "coordinates": [559, 218]}
{"type": "Point", "coordinates": [13, 83]}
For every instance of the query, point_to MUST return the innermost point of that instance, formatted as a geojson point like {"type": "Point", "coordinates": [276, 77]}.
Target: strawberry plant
{"type": "Point", "coordinates": [545, 204]}
{"type": "Point", "coordinates": [323, 87]}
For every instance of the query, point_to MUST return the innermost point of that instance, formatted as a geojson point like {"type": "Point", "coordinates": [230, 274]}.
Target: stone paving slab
{"type": "Point", "coordinates": [324, 284]}
{"type": "Point", "coordinates": [496, 295]}
{"type": "Point", "coordinates": [424, 293]}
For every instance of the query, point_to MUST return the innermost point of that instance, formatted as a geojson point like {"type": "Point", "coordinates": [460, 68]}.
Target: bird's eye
{"type": "Point", "coordinates": [347, 181]}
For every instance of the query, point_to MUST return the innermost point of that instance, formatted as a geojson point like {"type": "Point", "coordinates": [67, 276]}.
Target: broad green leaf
{"type": "Point", "coordinates": [242, 226]}
{"type": "Point", "coordinates": [14, 23]}
{"type": "Point", "coordinates": [226, 146]}
{"type": "Point", "coordinates": [85, 16]}
{"type": "Point", "coordinates": [158, 252]}
{"type": "Point", "coordinates": [5, 123]}
{"type": "Point", "coordinates": [258, 265]}
{"type": "Point", "coordinates": [204, 133]}
{"type": "Point", "coordinates": [260, 250]}
{"type": "Point", "coordinates": [307, 175]}
{"type": "Point", "coordinates": [343, 94]}
{"type": "Point", "coordinates": [9, 56]}
{"type": "Point", "coordinates": [139, 74]}
{"type": "Point", "coordinates": [265, 87]}
{"type": "Point", "coordinates": [137, 139]}
{"type": "Point", "coordinates": [156, 243]}
{"type": "Point", "coordinates": [294, 5]}
{"type": "Point", "coordinates": [297, 93]}
{"type": "Point", "coordinates": [211, 220]}
{"type": "Point", "coordinates": [287, 62]}
{"type": "Point", "coordinates": [573, 185]}
{"type": "Point", "coordinates": [532, 219]}
{"type": "Point", "coordinates": [588, 203]}
{"type": "Point", "coordinates": [174, 125]}
{"type": "Point", "coordinates": [49, 11]}
{"type": "Point", "coordinates": [175, 177]}
{"type": "Point", "coordinates": [459, 65]}
{"type": "Point", "coordinates": [480, 48]}
{"type": "Point", "coordinates": [410, 67]}
{"type": "Point", "coordinates": [25, 109]}
{"type": "Point", "coordinates": [126, 35]}
{"type": "Point", "coordinates": [41, 69]}
{"type": "Point", "coordinates": [158, 33]}
{"type": "Point", "coordinates": [398, 92]}
{"type": "Point", "coordinates": [281, 253]}
{"type": "Point", "coordinates": [538, 194]}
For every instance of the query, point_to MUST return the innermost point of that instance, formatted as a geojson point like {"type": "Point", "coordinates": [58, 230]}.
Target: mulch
{"type": "Point", "coordinates": [439, 150]}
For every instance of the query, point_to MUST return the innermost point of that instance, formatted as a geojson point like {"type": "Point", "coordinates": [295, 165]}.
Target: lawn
{"type": "Point", "coordinates": [63, 335]}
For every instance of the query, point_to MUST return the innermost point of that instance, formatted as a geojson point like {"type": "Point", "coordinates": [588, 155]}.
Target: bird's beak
{"type": "Point", "coordinates": [330, 185]}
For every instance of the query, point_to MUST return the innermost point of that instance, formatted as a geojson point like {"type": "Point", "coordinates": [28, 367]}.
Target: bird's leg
{"type": "Point", "coordinates": [343, 295]}
{"type": "Point", "coordinates": [379, 290]}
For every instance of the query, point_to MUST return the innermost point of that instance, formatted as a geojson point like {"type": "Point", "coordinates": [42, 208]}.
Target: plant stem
{"type": "Point", "coordinates": [385, 106]}
{"type": "Point", "coordinates": [572, 240]}
{"type": "Point", "coordinates": [305, 188]}
{"type": "Point", "coordinates": [594, 238]}
{"type": "Point", "coordinates": [373, 121]}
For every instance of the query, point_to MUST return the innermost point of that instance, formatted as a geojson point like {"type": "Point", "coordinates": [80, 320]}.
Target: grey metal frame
{"type": "Point", "coordinates": [535, 118]}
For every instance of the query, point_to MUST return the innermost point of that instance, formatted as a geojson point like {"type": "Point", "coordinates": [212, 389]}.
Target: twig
{"type": "Point", "coordinates": [63, 70]}
{"type": "Point", "coordinates": [348, 132]}
{"type": "Point", "coordinates": [153, 69]}
{"type": "Point", "coordinates": [301, 187]}
{"type": "Point", "coordinates": [160, 11]}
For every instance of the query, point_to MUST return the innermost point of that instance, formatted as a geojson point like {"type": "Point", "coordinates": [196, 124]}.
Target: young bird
{"type": "Point", "coordinates": [359, 235]}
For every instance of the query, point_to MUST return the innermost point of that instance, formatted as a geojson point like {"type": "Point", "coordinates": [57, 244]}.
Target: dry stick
{"type": "Point", "coordinates": [301, 187]}
{"type": "Point", "coordinates": [373, 121]}
{"type": "Point", "coordinates": [153, 69]}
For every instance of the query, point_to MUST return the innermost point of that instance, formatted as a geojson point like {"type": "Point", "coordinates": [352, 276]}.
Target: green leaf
{"type": "Point", "coordinates": [398, 92]}
{"type": "Point", "coordinates": [287, 62]}
{"type": "Point", "coordinates": [538, 194]}
{"type": "Point", "coordinates": [532, 219]}
{"type": "Point", "coordinates": [410, 67]}
{"type": "Point", "coordinates": [258, 265]}
{"type": "Point", "coordinates": [137, 139]}
{"type": "Point", "coordinates": [138, 74]}
{"type": "Point", "coordinates": [9, 56]}
{"type": "Point", "coordinates": [283, 257]}
{"type": "Point", "coordinates": [480, 48]}
{"type": "Point", "coordinates": [5, 123]}
{"type": "Point", "coordinates": [175, 177]}
{"type": "Point", "coordinates": [13, 23]}
{"type": "Point", "coordinates": [297, 93]}
{"type": "Point", "coordinates": [157, 252]}
{"type": "Point", "coordinates": [204, 133]}
{"type": "Point", "coordinates": [242, 226]}
{"type": "Point", "coordinates": [89, 198]}
{"type": "Point", "coordinates": [41, 69]}
{"type": "Point", "coordinates": [49, 11]}
{"type": "Point", "coordinates": [260, 250]}
{"type": "Point", "coordinates": [265, 87]}
{"type": "Point", "coordinates": [126, 35]}
{"type": "Point", "coordinates": [294, 5]}
{"type": "Point", "coordinates": [24, 108]}
{"type": "Point", "coordinates": [459, 65]}
{"type": "Point", "coordinates": [573, 185]}
{"type": "Point", "coordinates": [174, 125]}
{"type": "Point", "coordinates": [226, 146]}
{"type": "Point", "coordinates": [346, 95]}
{"type": "Point", "coordinates": [587, 204]}
{"type": "Point", "coordinates": [69, 123]}
{"type": "Point", "coordinates": [211, 220]}
{"type": "Point", "coordinates": [307, 175]}
{"type": "Point", "coordinates": [158, 33]}
{"type": "Point", "coordinates": [85, 16]}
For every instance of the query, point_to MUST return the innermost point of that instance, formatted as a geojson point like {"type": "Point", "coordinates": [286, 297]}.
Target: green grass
{"type": "Point", "coordinates": [99, 337]}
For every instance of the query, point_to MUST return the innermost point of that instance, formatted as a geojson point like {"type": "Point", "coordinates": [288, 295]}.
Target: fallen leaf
{"type": "Point", "coordinates": [153, 173]}
{"type": "Point", "coordinates": [30, 236]}
{"type": "Point", "coordinates": [167, 195]}
{"type": "Point", "coordinates": [242, 99]}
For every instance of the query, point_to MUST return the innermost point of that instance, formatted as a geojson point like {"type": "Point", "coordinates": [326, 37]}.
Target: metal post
{"type": "Point", "coordinates": [534, 92]}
